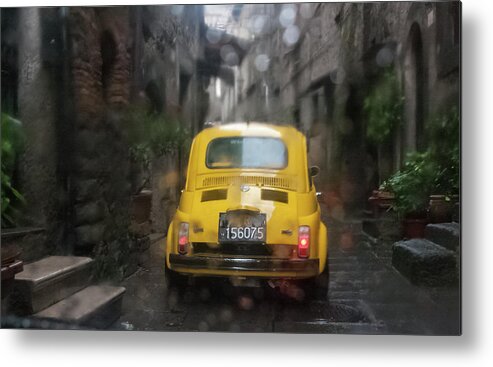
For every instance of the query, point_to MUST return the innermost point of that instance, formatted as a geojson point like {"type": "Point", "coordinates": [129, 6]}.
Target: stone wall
{"type": "Point", "coordinates": [80, 68]}
{"type": "Point", "coordinates": [100, 63]}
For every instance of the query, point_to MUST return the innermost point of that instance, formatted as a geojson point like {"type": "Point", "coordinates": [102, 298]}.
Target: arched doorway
{"type": "Point", "coordinates": [413, 134]}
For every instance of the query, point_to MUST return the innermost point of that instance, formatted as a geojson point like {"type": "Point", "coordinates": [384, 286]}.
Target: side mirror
{"type": "Point", "coordinates": [314, 171]}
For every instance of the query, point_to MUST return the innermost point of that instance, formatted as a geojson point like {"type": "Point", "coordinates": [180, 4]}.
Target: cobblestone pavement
{"type": "Point", "coordinates": [366, 296]}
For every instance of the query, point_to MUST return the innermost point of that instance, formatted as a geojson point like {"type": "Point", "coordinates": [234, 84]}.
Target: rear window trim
{"type": "Point", "coordinates": [243, 137]}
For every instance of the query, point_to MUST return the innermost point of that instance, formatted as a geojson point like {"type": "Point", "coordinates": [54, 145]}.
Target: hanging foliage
{"type": "Point", "coordinates": [383, 107]}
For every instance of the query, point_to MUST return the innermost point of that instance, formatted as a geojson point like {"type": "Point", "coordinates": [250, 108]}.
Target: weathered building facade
{"type": "Point", "coordinates": [313, 64]}
{"type": "Point", "coordinates": [72, 75]}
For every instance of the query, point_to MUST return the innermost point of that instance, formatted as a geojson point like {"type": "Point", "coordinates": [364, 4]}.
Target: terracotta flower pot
{"type": "Point", "coordinates": [141, 206]}
{"type": "Point", "coordinates": [440, 210]}
{"type": "Point", "coordinates": [380, 201]}
{"type": "Point", "coordinates": [414, 228]}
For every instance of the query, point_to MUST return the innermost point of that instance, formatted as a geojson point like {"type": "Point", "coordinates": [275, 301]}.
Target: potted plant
{"type": "Point", "coordinates": [150, 135]}
{"type": "Point", "coordinates": [444, 132]}
{"type": "Point", "coordinates": [412, 186]}
{"type": "Point", "coordinates": [381, 200]}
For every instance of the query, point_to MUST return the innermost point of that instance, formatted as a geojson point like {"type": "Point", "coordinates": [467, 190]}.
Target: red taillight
{"type": "Point", "coordinates": [303, 241]}
{"type": "Point", "coordinates": [183, 238]}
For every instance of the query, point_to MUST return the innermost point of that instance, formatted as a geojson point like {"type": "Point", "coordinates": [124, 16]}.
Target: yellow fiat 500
{"type": "Point", "coordinates": [249, 210]}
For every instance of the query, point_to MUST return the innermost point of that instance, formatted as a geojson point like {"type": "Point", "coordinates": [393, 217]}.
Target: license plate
{"type": "Point", "coordinates": [235, 227]}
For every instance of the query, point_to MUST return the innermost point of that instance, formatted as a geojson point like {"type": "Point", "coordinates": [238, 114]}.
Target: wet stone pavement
{"type": "Point", "coordinates": [366, 296]}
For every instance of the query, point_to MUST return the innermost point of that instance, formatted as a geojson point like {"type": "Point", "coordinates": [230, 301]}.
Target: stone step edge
{"type": "Point", "coordinates": [105, 301]}
{"type": "Point", "coordinates": [36, 286]}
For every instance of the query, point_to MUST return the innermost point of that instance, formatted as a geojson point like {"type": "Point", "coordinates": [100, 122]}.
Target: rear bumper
{"type": "Point", "coordinates": [261, 267]}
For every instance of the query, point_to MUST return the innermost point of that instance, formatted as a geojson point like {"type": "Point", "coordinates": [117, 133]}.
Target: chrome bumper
{"type": "Point", "coordinates": [305, 268]}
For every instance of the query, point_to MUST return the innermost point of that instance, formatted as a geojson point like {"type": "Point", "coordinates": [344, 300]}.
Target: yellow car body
{"type": "Point", "coordinates": [265, 189]}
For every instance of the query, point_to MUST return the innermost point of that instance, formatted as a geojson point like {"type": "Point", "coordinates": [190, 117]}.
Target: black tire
{"type": "Point", "coordinates": [317, 288]}
{"type": "Point", "coordinates": [174, 280]}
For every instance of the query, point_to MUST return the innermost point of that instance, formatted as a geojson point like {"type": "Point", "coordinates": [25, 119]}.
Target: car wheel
{"type": "Point", "coordinates": [318, 288]}
{"type": "Point", "coordinates": [174, 280]}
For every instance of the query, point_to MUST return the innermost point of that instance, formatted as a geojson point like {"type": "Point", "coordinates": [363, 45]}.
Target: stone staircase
{"type": "Point", "coordinates": [58, 289]}
{"type": "Point", "coordinates": [433, 260]}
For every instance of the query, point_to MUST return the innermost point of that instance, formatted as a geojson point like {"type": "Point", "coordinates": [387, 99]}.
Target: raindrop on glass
{"type": "Point", "coordinates": [245, 303]}
{"type": "Point", "coordinates": [211, 319]}
{"type": "Point", "coordinates": [291, 35]}
{"type": "Point", "coordinates": [287, 16]}
{"type": "Point", "coordinates": [337, 76]}
{"type": "Point", "coordinates": [213, 35]}
{"type": "Point", "coordinates": [226, 315]}
{"type": "Point", "coordinates": [262, 62]}
{"type": "Point", "coordinates": [258, 24]}
{"type": "Point", "coordinates": [229, 55]}
{"type": "Point", "coordinates": [384, 57]}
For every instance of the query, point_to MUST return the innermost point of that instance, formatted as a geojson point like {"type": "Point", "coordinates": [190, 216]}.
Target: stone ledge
{"type": "Point", "coordinates": [424, 262]}
{"type": "Point", "coordinates": [444, 234]}
{"type": "Point", "coordinates": [49, 280]}
{"type": "Point", "coordinates": [94, 306]}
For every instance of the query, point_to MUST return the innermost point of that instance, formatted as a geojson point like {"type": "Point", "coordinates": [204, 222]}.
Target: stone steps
{"type": "Point", "coordinates": [56, 290]}
{"type": "Point", "coordinates": [424, 262]}
{"type": "Point", "coordinates": [444, 234]}
{"type": "Point", "coordinates": [96, 306]}
{"type": "Point", "coordinates": [49, 280]}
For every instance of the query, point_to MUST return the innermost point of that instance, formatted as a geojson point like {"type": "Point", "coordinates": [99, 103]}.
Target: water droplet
{"type": "Point", "coordinates": [262, 62]}
{"type": "Point", "coordinates": [287, 16]}
{"type": "Point", "coordinates": [26, 323]}
{"type": "Point", "coordinates": [258, 24]}
{"type": "Point", "coordinates": [211, 319]}
{"type": "Point", "coordinates": [45, 324]}
{"type": "Point", "coordinates": [229, 55]}
{"type": "Point", "coordinates": [226, 315]}
{"type": "Point", "coordinates": [384, 57]}
{"type": "Point", "coordinates": [245, 303]}
{"type": "Point", "coordinates": [338, 76]}
{"type": "Point", "coordinates": [213, 35]}
{"type": "Point", "coordinates": [291, 35]}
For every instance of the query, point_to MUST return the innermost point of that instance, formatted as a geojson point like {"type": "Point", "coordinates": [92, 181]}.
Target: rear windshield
{"type": "Point", "coordinates": [247, 152]}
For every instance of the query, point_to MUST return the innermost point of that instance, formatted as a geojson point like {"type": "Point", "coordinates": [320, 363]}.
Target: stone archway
{"type": "Point", "coordinates": [412, 137]}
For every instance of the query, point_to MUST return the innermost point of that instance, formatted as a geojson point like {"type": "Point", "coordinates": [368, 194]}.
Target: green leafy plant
{"type": "Point", "coordinates": [435, 171]}
{"type": "Point", "coordinates": [151, 135]}
{"type": "Point", "coordinates": [444, 135]}
{"type": "Point", "coordinates": [383, 108]}
{"type": "Point", "coordinates": [413, 184]}
{"type": "Point", "coordinates": [12, 142]}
